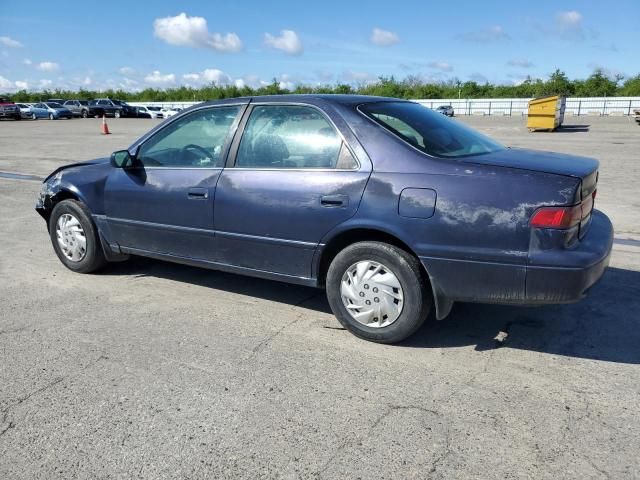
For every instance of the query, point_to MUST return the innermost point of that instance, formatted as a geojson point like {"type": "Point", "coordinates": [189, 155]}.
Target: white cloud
{"type": "Point", "coordinates": [239, 83]}
{"type": "Point", "coordinates": [185, 31]}
{"type": "Point", "coordinates": [358, 77]}
{"type": "Point", "coordinates": [5, 83]}
{"type": "Point", "coordinates": [27, 61]}
{"type": "Point", "coordinates": [48, 66]}
{"type": "Point", "coordinates": [87, 81]}
{"type": "Point", "coordinates": [570, 18]}
{"type": "Point", "coordinates": [494, 33]}
{"type": "Point", "coordinates": [158, 79]}
{"type": "Point", "coordinates": [288, 42]}
{"type": "Point", "coordinates": [210, 75]}
{"type": "Point", "coordinates": [383, 38]}
{"type": "Point", "coordinates": [443, 66]}
{"type": "Point", "coordinates": [127, 71]}
{"type": "Point", "coordinates": [569, 25]}
{"type": "Point", "coordinates": [286, 82]}
{"type": "Point", "coordinates": [191, 77]}
{"type": "Point", "coordinates": [520, 62]}
{"type": "Point", "coordinates": [10, 42]}
{"type": "Point", "coordinates": [45, 83]}
{"type": "Point", "coordinates": [20, 85]}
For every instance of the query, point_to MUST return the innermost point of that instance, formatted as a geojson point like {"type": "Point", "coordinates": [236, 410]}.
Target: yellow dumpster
{"type": "Point", "coordinates": [546, 113]}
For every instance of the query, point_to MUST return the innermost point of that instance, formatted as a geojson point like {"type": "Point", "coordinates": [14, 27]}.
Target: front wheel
{"type": "Point", "coordinates": [51, 117]}
{"type": "Point", "coordinates": [75, 238]}
{"type": "Point", "coordinates": [116, 114]}
{"type": "Point", "coordinates": [85, 114]}
{"type": "Point", "coordinates": [378, 292]}
{"type": "Point", "coordinates": [34, 116]}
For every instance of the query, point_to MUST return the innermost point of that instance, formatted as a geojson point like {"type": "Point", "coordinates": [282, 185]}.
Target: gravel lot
{"type": "Point", "coordinates": [155, 370]}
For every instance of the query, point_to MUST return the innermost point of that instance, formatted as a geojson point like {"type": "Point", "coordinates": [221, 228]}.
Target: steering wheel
{"type": "Point", "coordinates": [193, 146]}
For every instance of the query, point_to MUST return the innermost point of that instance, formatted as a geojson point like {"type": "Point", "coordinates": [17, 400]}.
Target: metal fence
{"type": "Point", "coordinates": [518, 106]}
{"type": "Point", "coordinates": [594, 106]}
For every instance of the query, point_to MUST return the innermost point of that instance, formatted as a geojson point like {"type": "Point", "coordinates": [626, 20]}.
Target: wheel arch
{"type": "Point", "coordinates": [346, 237]}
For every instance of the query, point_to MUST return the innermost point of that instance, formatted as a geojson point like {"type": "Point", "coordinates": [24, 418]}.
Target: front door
{"type": "Point", "coordinates": [293, 180]}
{"type": "Point", "coordinates": [164, 204]}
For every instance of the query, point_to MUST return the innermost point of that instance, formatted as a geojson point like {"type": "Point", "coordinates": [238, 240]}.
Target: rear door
{"type": "Point", "coordinates": [165, 204]}
{"type": "Point", "coordinates": [292, 178]}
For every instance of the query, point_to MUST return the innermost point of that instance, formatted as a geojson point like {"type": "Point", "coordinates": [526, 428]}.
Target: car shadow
{"type": "Point", "coordinates": [604, 326]}
{"type": "Point", "coordinates": [573, 128]}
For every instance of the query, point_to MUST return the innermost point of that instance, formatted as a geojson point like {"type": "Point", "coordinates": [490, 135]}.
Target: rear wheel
{"type": "Point", "coordinates": [75, 238]}
{"type": "Point", "coordinates": [85, 114]}
{"type": "Point", "coordinates": [51, 117]}
{"type": "Point", "coordinates": [116, 114]}
{"type": "Point", "coordinates": [378, 292]}
{"type": "Point", "coordinates": [34, 116]}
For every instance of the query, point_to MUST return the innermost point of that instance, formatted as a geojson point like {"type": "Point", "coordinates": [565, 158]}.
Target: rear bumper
{"type": "Point", "coordinates": [556, 277]}
{"type": "Point", "coordinates": [580, 269]}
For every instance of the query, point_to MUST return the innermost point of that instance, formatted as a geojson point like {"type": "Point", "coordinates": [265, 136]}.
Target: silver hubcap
{"type": "Point", "coordinates": [372, 294]}
{"type": "Point", "coordinates": [71, 238]}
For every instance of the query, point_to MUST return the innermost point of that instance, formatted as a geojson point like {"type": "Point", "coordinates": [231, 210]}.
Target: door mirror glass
{"type": "Point", "coordinates": [121, 159]}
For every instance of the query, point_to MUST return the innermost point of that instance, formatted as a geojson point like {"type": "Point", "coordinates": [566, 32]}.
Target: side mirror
{"type": "Point", "coordinates": [121, 159]}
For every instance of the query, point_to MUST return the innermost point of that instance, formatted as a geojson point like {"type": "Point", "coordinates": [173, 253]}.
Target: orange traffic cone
{"type": "Point", "coordinates": [105, 127]}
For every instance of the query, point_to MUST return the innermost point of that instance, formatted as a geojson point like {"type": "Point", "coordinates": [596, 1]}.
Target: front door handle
{"type": "Point", "coordinates": [334, 200]}
{"type": "Point", "coordinates": [197, 193]}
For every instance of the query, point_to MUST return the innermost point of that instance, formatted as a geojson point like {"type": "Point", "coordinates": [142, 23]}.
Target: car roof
{"type": "Point", "coordinates": [313, 99]}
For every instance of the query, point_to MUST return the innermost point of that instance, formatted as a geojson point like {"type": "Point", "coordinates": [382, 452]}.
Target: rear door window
{"type": "Point", "coordinates": [291, 136]}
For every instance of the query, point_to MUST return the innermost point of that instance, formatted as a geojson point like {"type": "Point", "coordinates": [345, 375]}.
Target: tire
{"type": "Point", "coordinates": [92, 259]}
{"type": "Point", "coordinates": [416, 296]}
{"type": "Point", "coordinates": [116, 114]}
{"type": "Point", "coordinates": [84, 114]}
{"type": "Point", "coordinates": [34, 116]}
{"type": "Point", "coordinates": [51, 116]}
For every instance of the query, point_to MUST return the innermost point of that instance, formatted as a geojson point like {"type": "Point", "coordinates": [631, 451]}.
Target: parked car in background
{"type": "Point", "coordinates": [50, 110]}
{"type": "Point", "coordinates": [127, 110]}
{"type": "Point", "coordinates": [445, 110]}
{"type": "Point", "coordinates": [636, 114]}
{"type": "Point", "coordinates": [104, 106]}
{"type": "Point", "coordinates": [80, 108]}
{"type": "Point", "coordinates": [8, 109]}
{"type": "Point", "coordinates": [157, 110]}
{"type": "Point", "coordinates": [56, 100]}
{"type": "Point", "coordinates": [149, 112]}
{"type": "Point", "coordinates": [392, 208]}
{"type": "Point", "coordinates": [170, 112]}
{"type": "Point", "coordinates": [25, 110]}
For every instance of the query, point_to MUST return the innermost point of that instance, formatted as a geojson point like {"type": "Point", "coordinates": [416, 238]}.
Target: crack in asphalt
{"type": "Point", "coordinates": [265, 342]}
{"type": "Point", "coordinates": [19, 401]}
{"type": "Point", "coordinates": [391, 409]}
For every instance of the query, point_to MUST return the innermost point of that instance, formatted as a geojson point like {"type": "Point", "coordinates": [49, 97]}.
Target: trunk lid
{"type": "Point", "coordinates": [583, 168]}
{"type": "Point", "coordinates": [539, 161]}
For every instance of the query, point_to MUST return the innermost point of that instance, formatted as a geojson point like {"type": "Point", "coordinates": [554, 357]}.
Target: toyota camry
{"type": "Point", "coordinates": [394, 209]}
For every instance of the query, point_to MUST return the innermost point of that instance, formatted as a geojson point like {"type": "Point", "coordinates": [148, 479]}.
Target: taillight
{"type": "Point", "coordinates": [563, 217]}
{"type": "Point", "coordinates": [557, 217]}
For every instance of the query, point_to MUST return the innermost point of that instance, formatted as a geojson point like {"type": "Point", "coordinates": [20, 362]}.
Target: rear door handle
{"type": "Point", "coordinates": [197, 193]}
{"type": "Point", "coordinates": [334, 200]}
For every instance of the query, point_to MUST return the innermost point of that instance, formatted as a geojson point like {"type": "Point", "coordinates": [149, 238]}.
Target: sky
{"type": "Point", "coordinates": [160, 43]}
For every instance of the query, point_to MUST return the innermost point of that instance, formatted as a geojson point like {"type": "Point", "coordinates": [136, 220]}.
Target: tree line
{"type": "Point", "coordinates": [598, 84]}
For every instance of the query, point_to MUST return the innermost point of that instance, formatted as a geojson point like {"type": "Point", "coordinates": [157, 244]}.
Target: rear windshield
{"type": "Point", "coordinates": [430, 132]}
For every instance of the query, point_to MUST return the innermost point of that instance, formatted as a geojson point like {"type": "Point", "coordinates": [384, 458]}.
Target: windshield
{"type": "Point", "coordinates": [54, 105]}
{"type": "Point", "coordinates": [155, 109]}
{"type": "Point", "coordinates": [430, 132]}
{"type": "Point", "coordinates": [84, 102]}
